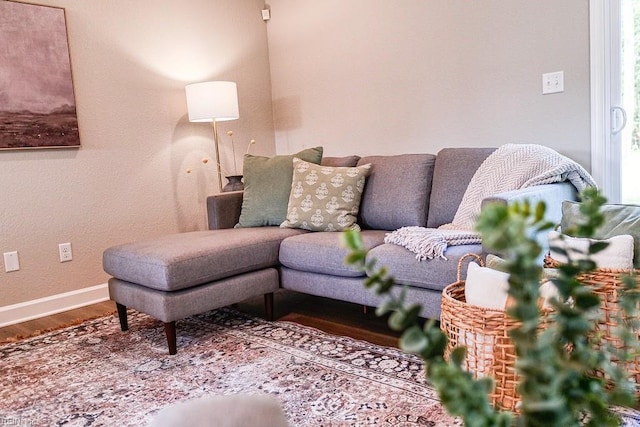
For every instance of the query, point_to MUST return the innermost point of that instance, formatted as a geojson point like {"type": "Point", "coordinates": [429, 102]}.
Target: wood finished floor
{"type": "Point", "coordinates": [57, 320]}
{"type": "Point", "coordinates": [334, 317]}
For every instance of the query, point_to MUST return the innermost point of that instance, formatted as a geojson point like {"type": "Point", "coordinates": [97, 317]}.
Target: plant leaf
{"type": "Point", "coordinates": [413, 340]}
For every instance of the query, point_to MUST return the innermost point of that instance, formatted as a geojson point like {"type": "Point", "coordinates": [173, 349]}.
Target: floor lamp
{"type": "Point", "coordinates": [213, 102]}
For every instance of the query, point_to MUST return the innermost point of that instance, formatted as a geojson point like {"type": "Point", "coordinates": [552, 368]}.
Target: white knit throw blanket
{"type": "Point", "coordinates": [510, 167]}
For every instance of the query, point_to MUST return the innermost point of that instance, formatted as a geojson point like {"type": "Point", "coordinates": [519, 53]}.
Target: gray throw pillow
{"type": "Point", "coordinates": [267, 184]}
{"type": "Point", "coordinates": [618, 219]}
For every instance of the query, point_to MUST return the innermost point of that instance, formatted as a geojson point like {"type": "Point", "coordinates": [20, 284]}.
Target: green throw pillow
{"type": "Point", "coordinates": [618, 219]}
{"type": "Point", "coordinates": [325, 198]}
{"type": "Point", "coordinates": [267, 184]}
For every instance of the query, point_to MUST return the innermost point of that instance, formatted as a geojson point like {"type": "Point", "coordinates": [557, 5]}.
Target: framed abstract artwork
{"type": "Point", "coordinates": [37, 102]}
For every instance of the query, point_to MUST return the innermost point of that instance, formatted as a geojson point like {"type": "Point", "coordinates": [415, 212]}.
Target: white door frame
{"type": "Point", "coordinates": [605, 150]}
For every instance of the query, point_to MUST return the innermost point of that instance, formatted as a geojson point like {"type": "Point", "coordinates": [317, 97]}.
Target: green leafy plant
{"type": "Point", "coordinates": [556, 364]}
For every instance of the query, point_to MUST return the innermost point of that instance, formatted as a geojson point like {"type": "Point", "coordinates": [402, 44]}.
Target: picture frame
{"type": "Point", "coordinates": [37, 99]}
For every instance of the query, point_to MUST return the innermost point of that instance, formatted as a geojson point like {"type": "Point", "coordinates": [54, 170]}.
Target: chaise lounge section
{"type": "Point", "coordinates": [175, 276]}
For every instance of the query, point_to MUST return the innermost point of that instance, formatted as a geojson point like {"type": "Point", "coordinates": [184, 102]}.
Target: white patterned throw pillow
{"type": "Point", "coordinates": [325, 198]}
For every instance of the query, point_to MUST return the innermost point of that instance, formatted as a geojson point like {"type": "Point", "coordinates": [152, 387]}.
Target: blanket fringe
{"type": "Point", "coordinates": [430, 243]}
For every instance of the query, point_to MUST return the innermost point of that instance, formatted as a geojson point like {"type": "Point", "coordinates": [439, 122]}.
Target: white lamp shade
{"type": "Point", "coordinates": [212, 101]}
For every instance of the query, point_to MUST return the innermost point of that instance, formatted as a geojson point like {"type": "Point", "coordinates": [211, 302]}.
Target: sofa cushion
{"type": "Point", "coordinates": [267, 184]}
{"type": "Point", "coordinates": [323, 252]}
{"type": "Point", "coordinates": [325, 198]}
{"type": "Point", "coordinates": [346, 161]}
{"type": "Point", "coordinates": [179, 261]}
{"type": "Point", "coordinates": [434, 274]}
{"type": "Point", "coordinates": [397, 191]}
{"type": "Point", "coordinates": [453, 170]}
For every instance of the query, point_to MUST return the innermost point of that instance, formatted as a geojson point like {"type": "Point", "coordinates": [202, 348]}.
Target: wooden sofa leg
{"type": "Point", "coordinates": [170, 332]}
{"type": "Point", "coordinates": [122, 315]}
{"type": "Point", "coordinates": [268, 305]}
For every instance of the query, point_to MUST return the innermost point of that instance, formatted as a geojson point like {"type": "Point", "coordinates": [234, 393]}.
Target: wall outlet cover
{"type": "Point", "coordinates": [11, 261]}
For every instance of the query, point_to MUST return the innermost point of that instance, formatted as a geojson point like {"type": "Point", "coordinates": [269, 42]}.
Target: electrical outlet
{"type": "Point", "coordinates": [553, 82]}
{"type": "Point", "coordinates": [64, 250]}
{"type": "Point", "coordinates": [11, 261]}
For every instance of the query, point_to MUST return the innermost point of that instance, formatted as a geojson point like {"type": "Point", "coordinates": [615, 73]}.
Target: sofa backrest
{"type": "Point", "coordinates": [397, 191]}
{"type": "Point", "coordinates": [346, 161]}
{"type": "Point", "coordinates": [454, 168]}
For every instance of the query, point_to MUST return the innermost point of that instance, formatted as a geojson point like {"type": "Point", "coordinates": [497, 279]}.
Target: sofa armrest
{"type": "Point", "coordinates": [551, 194]}
{"type": "Point", "coordinates": [223, 210]}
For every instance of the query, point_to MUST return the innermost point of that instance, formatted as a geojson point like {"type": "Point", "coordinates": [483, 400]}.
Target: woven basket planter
{"type": "Point", "coordinates": [485, 334]}
{"type": "Point", "coordinates": [607, 284]}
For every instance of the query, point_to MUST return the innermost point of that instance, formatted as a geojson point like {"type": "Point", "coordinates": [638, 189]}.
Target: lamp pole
{"type": "Point", "coordinates": [218, 165]}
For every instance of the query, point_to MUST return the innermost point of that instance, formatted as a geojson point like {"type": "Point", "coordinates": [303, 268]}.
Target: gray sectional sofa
{"type": "Point", "coordinates": [402, 190]}
{"type": "Point", "coordinates": [180, 275]}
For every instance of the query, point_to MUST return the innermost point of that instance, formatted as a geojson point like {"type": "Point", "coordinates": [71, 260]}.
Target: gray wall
{"type": "Point", "coordinates": [382, 76]}
{"type": "Point", "coordinates": [357, 76]}
{"type": "Point", "coordinates": [131, 61]}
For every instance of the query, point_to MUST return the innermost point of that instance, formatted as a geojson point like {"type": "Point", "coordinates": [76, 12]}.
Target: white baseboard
{"type": "Point", "coordinates": [16, 313]}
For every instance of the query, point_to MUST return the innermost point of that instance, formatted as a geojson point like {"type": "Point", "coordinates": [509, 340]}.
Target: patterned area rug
{"type": "Point", "coordinates": [94, 374]}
